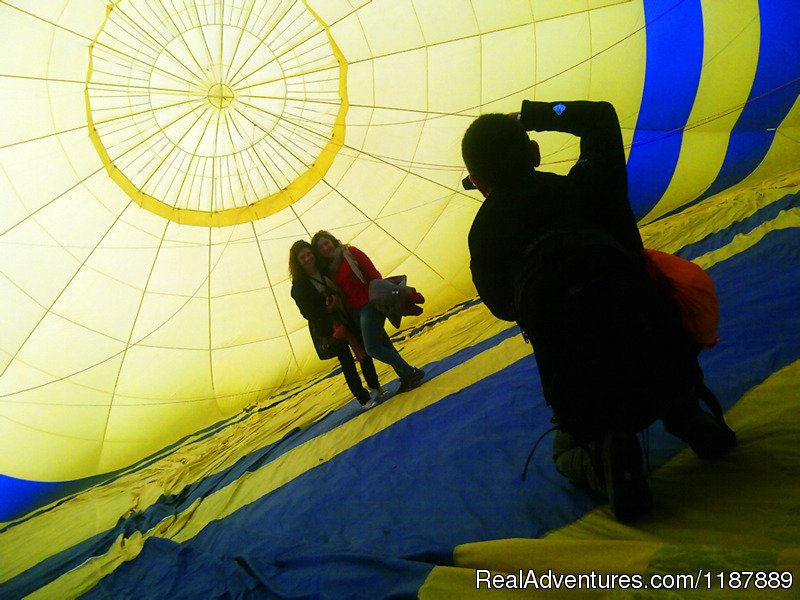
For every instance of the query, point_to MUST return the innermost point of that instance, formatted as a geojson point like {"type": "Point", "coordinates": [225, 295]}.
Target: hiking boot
{"type": "Point", "coordinates": [380, 392]}
{"type": "Point", "coordinates": [574, 460]}
{"type": "Point", "coordinates": [707, 435]}
{"type": "Point", "coordinates": [628, 491]}
{"type": "Point", "coordinates": [412, 381]}
{"type": "Point", "coordinates": [370, 404]}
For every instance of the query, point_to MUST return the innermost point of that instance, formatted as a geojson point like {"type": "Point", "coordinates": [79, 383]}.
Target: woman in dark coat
{"type": "Point", "coordinates": [319, 299]}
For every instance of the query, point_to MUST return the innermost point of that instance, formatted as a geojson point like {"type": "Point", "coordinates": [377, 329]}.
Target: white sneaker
{"type": "Point", "coordinates": [380, 392]}
{"type": "Point", "coordinates": [370, 404]}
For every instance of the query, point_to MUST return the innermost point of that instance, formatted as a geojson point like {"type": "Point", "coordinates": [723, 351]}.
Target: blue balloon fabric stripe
{"type": "Point", "coordinates": [721, 238]}
{"type": "Point", "coordinates": [18, 496]}
{"type": "Point", "coordinates": [775, 90]}
{"type": "Point", "coordinates": [672, 76]}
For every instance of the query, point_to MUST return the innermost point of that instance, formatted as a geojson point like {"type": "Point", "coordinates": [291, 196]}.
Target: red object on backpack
{"type": "Point", "coordinates": [691, 290]}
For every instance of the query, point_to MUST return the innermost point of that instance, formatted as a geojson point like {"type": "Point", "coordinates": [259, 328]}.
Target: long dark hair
{"type": "Point", "coordinates": [325, 234]}
{"type": "Point", "coordinates": [296, 270]}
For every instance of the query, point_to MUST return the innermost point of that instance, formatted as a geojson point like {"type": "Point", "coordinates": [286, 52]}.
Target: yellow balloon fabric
{"type": "Point", "coordinates": [158, 159]}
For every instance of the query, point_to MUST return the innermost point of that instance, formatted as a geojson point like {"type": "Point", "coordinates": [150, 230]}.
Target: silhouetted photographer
{"type": "Point", "coordinates": [562, 256]}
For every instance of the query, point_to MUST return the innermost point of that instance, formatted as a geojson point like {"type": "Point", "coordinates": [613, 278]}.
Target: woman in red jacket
{"type": "Point", "coordinates": [352, 270]}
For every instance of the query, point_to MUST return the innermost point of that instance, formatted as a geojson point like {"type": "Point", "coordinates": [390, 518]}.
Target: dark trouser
{"type": "Point", "coordinates": [610, 354]}
{"type": "Point", "coordinates": [351, 374]}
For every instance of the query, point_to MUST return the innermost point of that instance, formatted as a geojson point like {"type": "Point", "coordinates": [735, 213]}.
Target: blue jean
{"type": "Point", "coordinates": [377, 343]}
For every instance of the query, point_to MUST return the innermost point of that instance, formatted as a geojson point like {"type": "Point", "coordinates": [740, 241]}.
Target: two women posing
{"type": "Point", "coordinates": [330, 285]}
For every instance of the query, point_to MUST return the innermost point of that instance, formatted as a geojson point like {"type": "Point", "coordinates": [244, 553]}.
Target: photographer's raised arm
{"type": "Point", "coordinates": [600, 172]}
{"type": "Point", "coordinates": [595, 123]}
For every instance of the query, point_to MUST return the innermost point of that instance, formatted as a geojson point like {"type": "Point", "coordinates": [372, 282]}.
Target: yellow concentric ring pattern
{"type": "Point", "coordinates": [215, 114]}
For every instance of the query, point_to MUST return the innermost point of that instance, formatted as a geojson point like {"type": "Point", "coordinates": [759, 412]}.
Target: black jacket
{"type": "Point", "coordinates": [312, 306]}
{"type": "Point", "coordinates": [593, 195]}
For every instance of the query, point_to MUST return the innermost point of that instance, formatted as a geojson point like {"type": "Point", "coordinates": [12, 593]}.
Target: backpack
{"type": "Point", "coordinates": [691, 291]}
